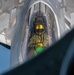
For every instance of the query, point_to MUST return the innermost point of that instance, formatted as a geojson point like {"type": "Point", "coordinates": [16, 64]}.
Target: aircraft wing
{"type": "Point", "coordinates": [4, 22]}
{"type": "Point", "coordinates": [7, 26]}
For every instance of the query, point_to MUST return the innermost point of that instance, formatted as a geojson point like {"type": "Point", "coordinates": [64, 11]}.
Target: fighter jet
{"type": "Point", "coordinates": [39, 25]}
{"type": "Point", "coordinates": [36, 29]}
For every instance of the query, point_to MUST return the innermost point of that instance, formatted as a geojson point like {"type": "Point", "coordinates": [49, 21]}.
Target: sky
{"type": "Point", "coordinates": [4, 59]}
